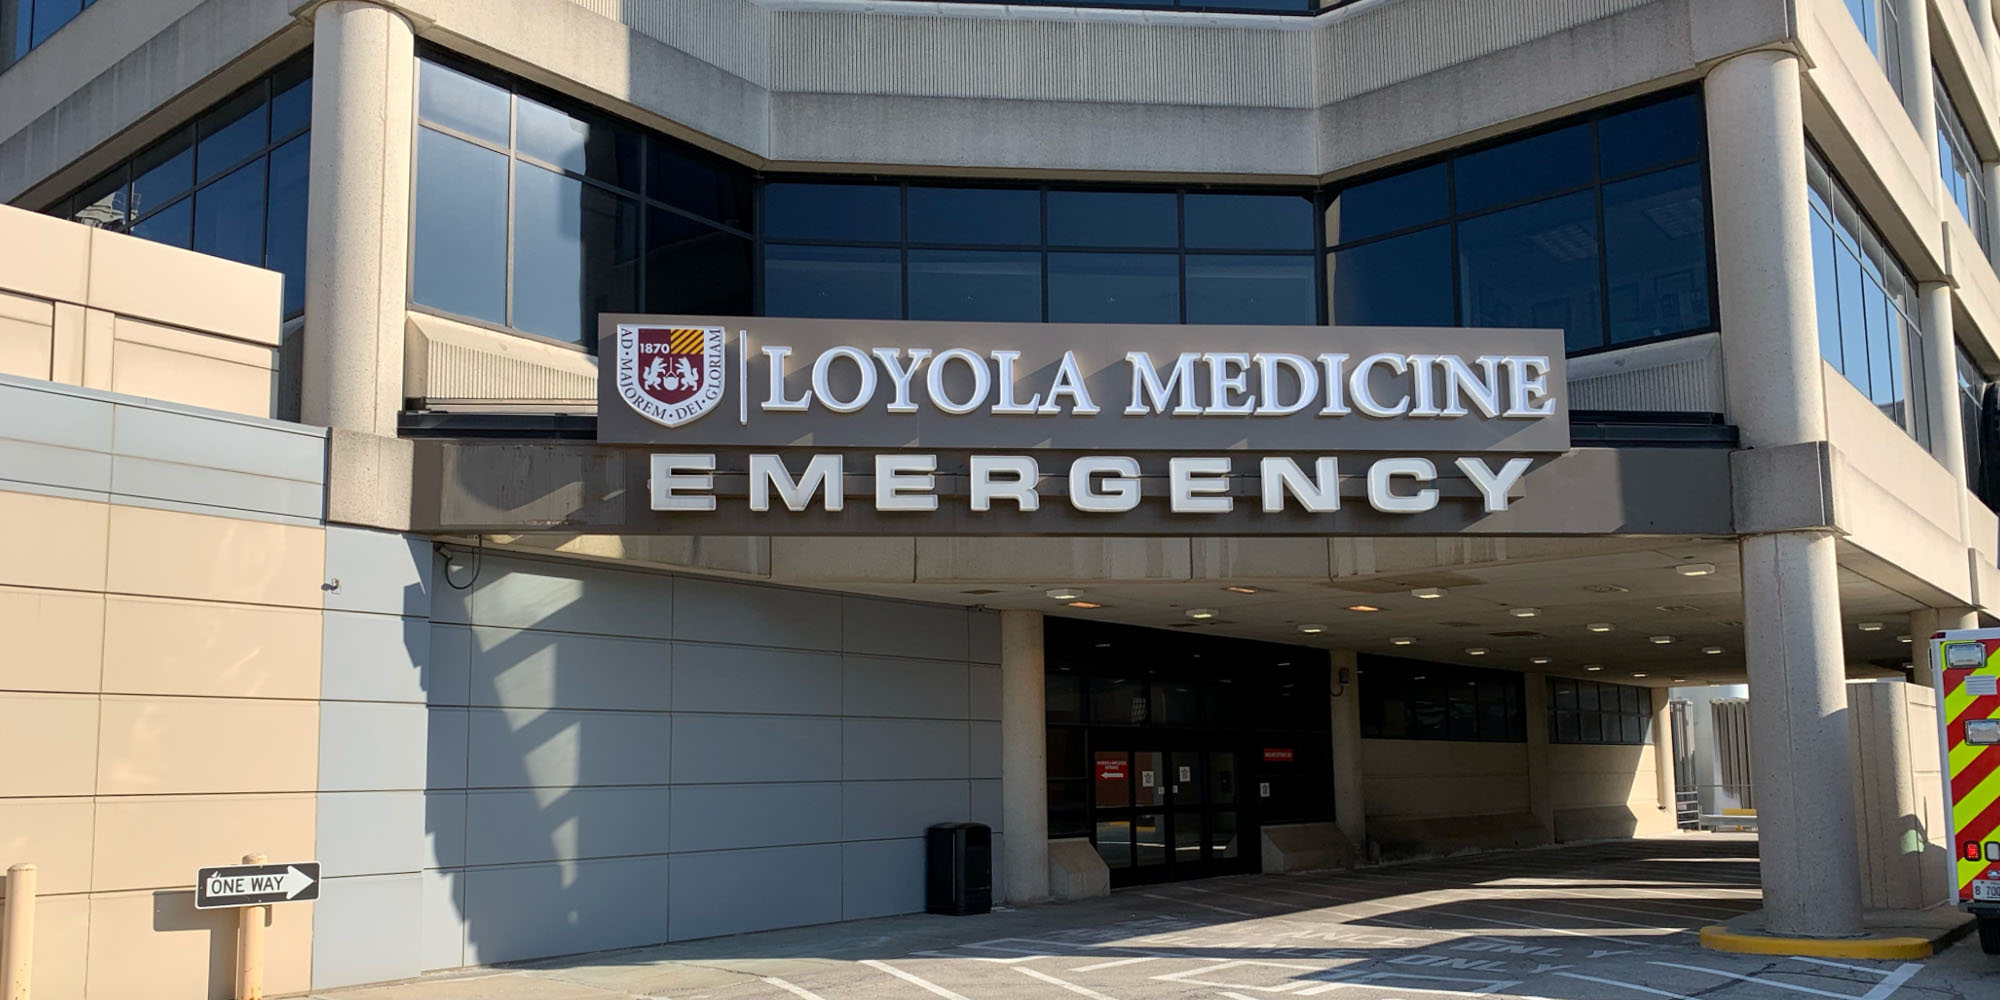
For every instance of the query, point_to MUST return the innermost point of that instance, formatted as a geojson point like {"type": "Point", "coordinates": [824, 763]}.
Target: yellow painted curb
{"type": "Point", "coordinates": [1719, 938]}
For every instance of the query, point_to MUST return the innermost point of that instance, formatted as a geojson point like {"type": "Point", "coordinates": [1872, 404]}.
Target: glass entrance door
{"type": "Point", "coordinates": [1163, 813]}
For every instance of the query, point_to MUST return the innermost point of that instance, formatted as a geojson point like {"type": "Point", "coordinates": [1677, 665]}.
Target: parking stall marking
{"type": "Point", "coordinates": [798, 991]}
{"type": "Point", "coordinates": [1053, 981]}
{"type": "Point", "coordinates": [913, 980]}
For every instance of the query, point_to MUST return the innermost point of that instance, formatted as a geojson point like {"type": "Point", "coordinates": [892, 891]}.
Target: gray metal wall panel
{"type": "Point", "coordinates": [379, 571]}
{"type": "Point", "coordinates": [368, 657]}
{"type": "Point", "coordinates": [916, 689]}
{"type": "Point", "coordinates": [564, 907]}
{"type": "Point", "coordinates": [32, 464]}
{"type": "Point", "coordinates": [513, 668]}
{"type": "Point", "coordinates": [885, 810]}
{"type": "Point", "coordinates": [716, 611]}
{"type": "Point", "coordinates": [882, 877]}
{"type": "Point", "coordinates": [524, 594]}
{"type": "Point", "coordinates": [983, 627]}
{"type": "Point", "coordinates": [450, 667]}
{"type": "Point", "coordinates": [716, 749]}
{"type": "Point", "coordinates": [728, 817]}
{"type": "Point", "coordinates": [985, 806]}
{"type": "Point", "coordinates": [371, 746]}
{"type": "Point", "coordinates": [511, 826]}
{"type": "Point", "coordinates": [729, 892]}
{"type": "Point", "coordinates": [185, 436]}
{"type": "Point", "coordinates": [904, 748]}
{"type": "Point", "coordinates": [985, 751]}
{"type": "Point", "coordinates": [371, 833]}
{"type": "Point", "coordinates": [444, 829]}
{"type": "Point", "coordinates": [555, 748]}
{"type": "Point", "coordinates": [45, 413]}
{"type": "Point", "coordinates": [756, 680]}
{"type": "Point", "coordinates": [447, 737]}
{"type": "Point", "coordinates": [443, 941]}
{"type": "Point", "coordinates": [368, 930]}
{"type": "Point", "coordinates": [984, 700]}
{"type": "Point", "coordinates": [900, 628]}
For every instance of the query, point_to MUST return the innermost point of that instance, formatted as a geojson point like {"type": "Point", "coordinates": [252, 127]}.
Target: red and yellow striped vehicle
{"type": "Point", "coordinates": [1969, 707]}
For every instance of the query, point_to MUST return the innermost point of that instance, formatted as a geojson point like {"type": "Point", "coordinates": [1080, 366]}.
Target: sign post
{"type": "Point", "coordinates": [251, 888]}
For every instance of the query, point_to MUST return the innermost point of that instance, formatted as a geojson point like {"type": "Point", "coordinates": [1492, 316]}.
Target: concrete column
{"type": "Point", "coordinates": [1925, 622]}
{"type": "Point", "coordinates": [1024, 768]}
{"type": "Point", "coordinates": [1663, 750]}
{"type": "Point", "coordinates": [1989, 35]}
{"type": "Point", "coordinates": [1919, 98]}
{"type": "Point", "coordinates": [1941, 383]}
{"type": "Point", "coordinates": [1350, 805]}
{"type": "Point", "coordinates": [1801, 741]}
{"type": "Point", "coordinates": [1541, 788]}
{"type": "Point", "coordinates": [357, 273]}
{"type": "Point", "coordinates": [1763, 249]}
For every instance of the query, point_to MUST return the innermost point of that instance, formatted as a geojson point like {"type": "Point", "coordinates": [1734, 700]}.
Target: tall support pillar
{"type": "Point", "coordinates": [1541, 787]}
{"type": "Point", "coordinates": [1664, 751]}
{"type": "Point", "coordinates": [1913, 22]}
{"type": "Point", "coordinates": [1024, 769]}
{"type": "Point", "coordinates": [1801, 739]}
{"type": "Point", "coordinates": [1350, 805]}
{"type": "Point", "coordinates": [1989, 34]}
{"type": "Point", "coordinates": [1924, 622]}
{"type": "Point", "coordinates": [358, 212]}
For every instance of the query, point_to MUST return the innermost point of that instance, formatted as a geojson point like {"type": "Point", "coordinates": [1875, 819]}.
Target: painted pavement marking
{"type": "Point", "coordinates": [1053, 981]}
{"type": "Point", "coordinates": [912, 979]}
{"type": "Point", "coordinates": [797, 991]}
{"type": "Point", "coordinates": [1115, 963]}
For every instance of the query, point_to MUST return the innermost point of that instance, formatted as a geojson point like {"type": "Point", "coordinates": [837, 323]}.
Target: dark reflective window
{"type": "Point", "coordinates": [1865, 302]}
{"type": "Point", "coordinates": [1113, 219]}
{"type": "Point", "coordinates": [1590, 712]}
{"type": "Point", "coordinates": [291, 99]}
{"type": "Point", "coordinates": [580, 145]}
{"type": "Point", "coordinates": [1398, 201]}
{"type": "Point", "coordinates": [1251, 288]}
{"type": "Point", "coordinates": [285, 227]}
{"type": "Point", "coordinates": [833, 282]}
{"type": "Point", "coordinates": [1656, 135]}
{"type": "Point", "coordinates": [459, 259]}
{"type": "Point", "coordinates": [173, 225]}
{"type": "Point", "coordinates": [103, 203]}
{"type": "Point", "coordinates": [1522, 169]}
{"type": "Point", "coordinates": [575, 255]}
{"type": "Point", "coordinates": [857, 212]}
{"type": "Point", "coordinates": [25, 24]}
{"type": "Point", "coordinates": [463, 103]}
{"type": "Point", "coordinates": [1114, 287]}
{"type": "Point", "coordinates": [697, 183]}
{"type": "Point", "coordinates": [229, 216]}
{"type": "Point", "coordinates": [1010, 216]}
{"type": "Point", "coordinates": [1401, 281]}
{"type": "Point", "coordinates": [996, 285]}
{"type": "Point", "coordinates": [163, 173]}
{"type": "Point", "coordinates": [1417, 700]}
{"type": "Point", "coordinates": [1656, 255]}
{"type": "Point", "coordinates": [695, 268]}
{"type": "Point", "coordinates": [232, 131]}
{"type": "Point", "coordinates": [1534, 267]}
{"type": "Point", "coordinates": [1249, 222]}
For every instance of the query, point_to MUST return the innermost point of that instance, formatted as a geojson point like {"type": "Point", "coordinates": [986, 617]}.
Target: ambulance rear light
{"type": "Point", "coordinates": [1969, 850]}
{"type": "Point", "coordinates": [1965, 654]}
{"type": "Point", "coordinates": [1982, 732]}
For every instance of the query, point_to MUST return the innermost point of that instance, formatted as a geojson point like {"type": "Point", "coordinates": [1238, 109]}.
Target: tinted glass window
{"type": "Point", "coordinates": [1864, 301]}
{"type": "Point", "coordinates": [975, 215]}
{"type": "Point", "coordinates": [1249, 222]}
{"type": "Point", "coordinates": [236, 129]}
{"type": "Point", "coordinates": [291, 98]}
{"type": "Point", "coordinates": [463, 103]}
{"type": "Point", "coordinates": [285, 232]}
{"type": "Point", "coordinates": [695, 268]}
{"type": "Point", "coordinates": [1113, 287]}
{"type": "Point", "coordinates": [1113, 219]}
{"type": "Point", "coordinates": [696, 183]}
{"type": "Point", "coordinates": [172, 225]}
{"type": "Point", "coordinates": [1251, 288]}
{"type": "Point", "coordinates": [459, 259]}
{"type": "Point", "coordinates": [1534, 267]}
{"type": "Point", "coordinates": [1523, 169]}
{"type": "Point", "coordinates": [996, 285]}
{"type": "Point", "coordinates": [229, 216]}
{"type": "Point", "coordinates": [1656, 255]}
{"type": "Point", "coordinates": [1398, 201]}
{"type": "Point", "coordinates": [1401, 281]}
{"type": "Point", "coordinates": [575, 254]}
{"type": "Point", "coordinates": [163, 173]}
{"type": "Point", "coordinates": [1652, 136]}
{"type": "Point", "coordinates": [863, 213]}
{"type": "Point", "coordinates": [833, 282]}
{"type": "Point", "coordinates": [579, 145]}
{"type": "Point", "coordinates": [50, 16]}
{"type": "Point", "coordinates": [103, 203]}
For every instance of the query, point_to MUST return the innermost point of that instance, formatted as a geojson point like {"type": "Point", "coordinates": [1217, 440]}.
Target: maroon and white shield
{"type": "Point", "coordinates": [671, 374]}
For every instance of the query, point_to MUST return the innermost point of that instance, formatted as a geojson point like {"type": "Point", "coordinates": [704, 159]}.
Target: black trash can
{"type": "Point", "coordinates": [958, 875]}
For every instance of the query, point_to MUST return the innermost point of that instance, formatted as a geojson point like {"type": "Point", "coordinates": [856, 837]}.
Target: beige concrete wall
{"type": "Point", "coordinates": [1899, 795]}
{"type": "Point", "coordinates": [1606, 791]}
{"type": "Point", "coordinates": [162, 677]}
{"type": "Point", "coordinates": [1422, 779]}
{"type": "Point", "coordinates": [86, 307]}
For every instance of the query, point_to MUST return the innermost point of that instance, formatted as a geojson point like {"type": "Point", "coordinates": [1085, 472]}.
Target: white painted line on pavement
{"type": "Point", "coordinates": [1195, 902]}
{"type": "Point", "coordinates": [1053, 981]}
{"type": "Point", "coordinates": [912, 980]}
{"type": "Point", "coordinates": [1894, 982]}
{"type": "Point", "coordinates": [1630, 986]}
{"type": "Point", "coordinates": [797, 991]}
{"type": "Point", "coordinates": [1115, 964]}
{"type": "Point", "coordinates": [1839, 965]}
{"type": "Point", "coordinates": [1774, 984]}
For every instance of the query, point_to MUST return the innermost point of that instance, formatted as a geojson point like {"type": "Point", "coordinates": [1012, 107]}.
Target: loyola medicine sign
{"type": "Point", "coordinates": [774, 410]}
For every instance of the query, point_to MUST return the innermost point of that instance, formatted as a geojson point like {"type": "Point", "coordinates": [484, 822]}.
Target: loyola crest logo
{"type": "Point", "coordinates": [671, 375]}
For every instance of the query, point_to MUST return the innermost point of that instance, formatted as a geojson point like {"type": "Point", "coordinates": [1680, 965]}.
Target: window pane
{"type": "Point", "coordinates": [1667, 132]}
{"type": "Point", "coordinates": [1524, 169]}
{"type": "Point", "coordinates": [291, 97]}
{"type": "Point", "coordinates": [51, 15]}
{"type": "Point", "coordinates": [997, 285]}
{"type": "Point", "coordinates": [234, 129]}
{"type": "Point", "coordinates": [1249, 221]}
{"type": "Point", "coordinates": [1395, 202]}
{"type": "Point", "coordinates": [1534, 267]}
{"type": "Point", "coordinates": [163, 173]}
{"type": "Point", "coordinates": [833, 282]}
{"type": "Point", "coordinates": [1403, 281]}
{"type": "Point", "coordinates": [459, 260]}
{"type": "Point", "coordinates": [285, 229]}
{"type": "Point", "coordinates": [1881, 367]}
{"type": "Point", "coordinates": [707, 186]}
{"type": "Point", "coordinates": [1826, 298]}
{"type": "Point", "coordinates": [1112, 219]}
{"type": "Point", "coordinates": [463, 103]}
{"type": "Point", "coordinates": [102, 204]}
{"type": "Point", "coordinates": [1853, 327]}
{"type": "Point", "coordinates": [975, 215]}
{"type": "Point", "coordinates": [1250, 288]}
{"type": "Point", "coordinates": [695, 268]}
{"type": "Point", "coordinates": [172, 225]}
{"type": "Point", "coordinates": [21, 14]}
{"type": "Point", "coordinates": [1062, 697]}
{"type": "Point", "coordinates": [1066, 752]}
{"type": "Point", "coordinates": [871, 213]}
{"type": "Point", "coordinates": [1118, 701]}
{"type": "Point", "coordinates": [1114, 842]}
{"type": "Point", "coordinates": [575, 254]}
{"type": "Point", "coordinates": [1114, 288]}
{"type": "Point", "coordinates": [229, 216]}
{"type": "Point", "coordinates": [1656, 254]}
{"type": "Point", "coordinates": [593, 148]}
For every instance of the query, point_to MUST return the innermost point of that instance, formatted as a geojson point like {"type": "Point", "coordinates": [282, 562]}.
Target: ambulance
{"type": "Point", "coordinates": [1969, 717]}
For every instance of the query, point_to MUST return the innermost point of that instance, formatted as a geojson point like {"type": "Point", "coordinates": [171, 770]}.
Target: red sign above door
{"type": "Point", "coordinates": [1111, 770]}
{"type": "Point", "coordinates": [1277, 754]}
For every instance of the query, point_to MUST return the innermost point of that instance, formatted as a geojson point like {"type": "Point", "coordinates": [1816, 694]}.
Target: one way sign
{"type": "Point", "coordinates": [255, 885]}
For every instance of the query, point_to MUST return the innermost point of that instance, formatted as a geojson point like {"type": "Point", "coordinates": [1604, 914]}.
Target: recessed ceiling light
{"type": "Point", "coordinates": [1476, 651]}
{"type": "Point", "coordinates": [1680, 680]}
{"type": "Point", "coordinates": [1607, 588]}
{"type": "Point", "coordinates": [1201, 614]}
{"type": "Point", "coordinates": [1086, 605]}
{"type": "Point", "coordinates": [1711, 650]}
{"type": "Point", "coordinates": [1364, 608]}
{"type": "Point", "coordinates": [1420, 677]}
{"type": "Point", "coordinates": [1902, 638]}
{"type": "Point", "coordinates": [1695, 569]}
{"type": "Point", "coordinates": [1401, 640]}
{"type": "Point", "coordinates": [1659, 640]}
{"type": "Point", "coordinates": [1638, 675]}
{"type": "Point", "coordinates": [1524, 612]}
{"type": "Point", "coordinates": [1870, 626]}
{"type": "Point", "coordinates": [1312, 629]}
{"type": "Point", "coordinates": [1062, 594]}
{"type": "Point", "coordinates": [1427, 593]}
{"type": "Point", "coordinates": [1593, 667]}
{"type": "Point", "coordinates": [1599, 626]}
{"type": "Point", "coordinates": [1241, 590]}
{"type": "Point", "coordinates": [1538, 660]}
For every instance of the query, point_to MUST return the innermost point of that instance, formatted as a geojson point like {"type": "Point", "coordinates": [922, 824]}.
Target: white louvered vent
{"type": "Point", "coordinates": [447, 362]}
{"type": "Point", "coordinates": [1680, 376]}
